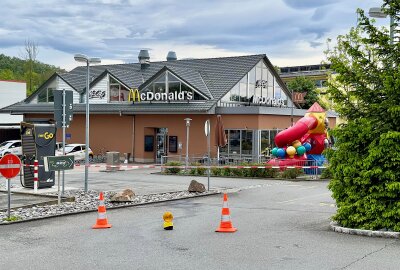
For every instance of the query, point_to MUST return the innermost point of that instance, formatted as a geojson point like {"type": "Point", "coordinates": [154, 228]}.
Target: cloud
{"type": "Point", "coordinates": [118, 29]}
{"type": "Point", "coordinates": [308, 4]}
{"type": "Point", "coordinates": [314, 44]}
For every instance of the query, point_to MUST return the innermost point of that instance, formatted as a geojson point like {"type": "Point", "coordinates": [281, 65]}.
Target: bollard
{"type": "Point", "coordinates": [35, 176]}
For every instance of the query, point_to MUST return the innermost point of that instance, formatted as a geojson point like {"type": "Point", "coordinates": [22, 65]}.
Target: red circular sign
{"type": "Point", "coordinates": [10, 166]}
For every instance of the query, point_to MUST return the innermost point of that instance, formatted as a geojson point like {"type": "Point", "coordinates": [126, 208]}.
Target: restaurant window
{"type": "Point", "coordinates": [258, 82]}
{"type": "Point", "coordinates": [235, 96]}
{"type": "Point", "coordinates": [252, 83]}
{"type": "Point", "coordinates": [267, 140]}
{"type": "Point", "coordinates": [46, 95]}
{"type": "Point", "coordinates": [246, 142]}
{"type": "Point", "coordinates": [240, 143]}
{"type": "Point", "coordinates": [159, 85]}
{"type": "Point", "coordinates": [227, 97]}
{"type": "Point", "coordinates": [271, 79]}
{"type": "Point", "coordinates": [273, 133]}
{"type": "Point", "coordinates": [243, 89]}
{"type": "Point", "coordinates": [118, 92]}
{"type": "Point", "coordinates": [169, 83]}
{"type": "Point", "coordinates": [234, 142]}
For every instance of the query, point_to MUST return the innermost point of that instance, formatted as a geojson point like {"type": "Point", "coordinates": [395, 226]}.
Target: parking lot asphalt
{"type": "Point", "coordinates": [141, 181]}
{"type": "Point", "coordinates": [281, 225]}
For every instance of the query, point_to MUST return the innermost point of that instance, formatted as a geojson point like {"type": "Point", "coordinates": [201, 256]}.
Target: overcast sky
{"type": "Point", "coordinates": [289, 32]}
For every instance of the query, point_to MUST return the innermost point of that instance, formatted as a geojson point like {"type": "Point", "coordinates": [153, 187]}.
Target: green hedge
{"type": "Point", "coordinates": [291, 173]}
{"type": "Point", "coordinates": [173, 170]}
{"type": "Point", "coordinates": [235, 172]}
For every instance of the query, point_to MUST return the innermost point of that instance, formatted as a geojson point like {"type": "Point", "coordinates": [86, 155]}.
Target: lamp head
{"type": "Point", "coordinates": [81, 58]}
{"type": "Point", "coordinates": [95, 60]}
{"type": "Point", "coordinates": [376, 12]}
{"type": "Point", "coordinates": [188, 121]}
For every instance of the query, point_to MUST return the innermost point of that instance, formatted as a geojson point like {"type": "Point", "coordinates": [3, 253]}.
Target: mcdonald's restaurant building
{"type": "Point", "coordinates": [141, 108]}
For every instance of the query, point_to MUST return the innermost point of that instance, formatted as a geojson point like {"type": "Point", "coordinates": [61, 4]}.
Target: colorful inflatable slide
{"type": "Point", "coordinates": [304, 141]}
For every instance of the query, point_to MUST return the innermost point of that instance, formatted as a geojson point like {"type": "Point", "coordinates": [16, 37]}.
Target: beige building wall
{"type": "Point", "coordinates": [126, 133]}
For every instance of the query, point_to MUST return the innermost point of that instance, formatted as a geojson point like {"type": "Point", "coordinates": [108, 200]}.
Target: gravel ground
{"type": "Point", "coordinates": [4, 185]}
{"type": "Point", "coordinates": [89, 201]}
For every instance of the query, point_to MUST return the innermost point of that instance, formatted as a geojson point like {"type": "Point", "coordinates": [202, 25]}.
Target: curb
{"type": "Point", "coordinates": [383, 234]}
{"type": "Point", "coordinates": [110, 208]}
{"type": "Point", "coordinates": [53, 201]}
{"type": "Point", "coordinates": [243, 177]}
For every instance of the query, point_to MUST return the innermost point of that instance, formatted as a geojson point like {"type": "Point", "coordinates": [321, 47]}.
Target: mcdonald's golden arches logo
{"type": "Point", "coordinates": [134, 95]}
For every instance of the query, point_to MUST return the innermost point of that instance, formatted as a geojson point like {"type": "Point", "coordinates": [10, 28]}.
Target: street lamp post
{"type": "Point", "coordinates": [187, 142]}
{"type": "Point", "coordinates": [94, 60]}
{"type": "Point", "coordinates": [376, 12]}
{"type": "Point", "coordinates": [291, 110]}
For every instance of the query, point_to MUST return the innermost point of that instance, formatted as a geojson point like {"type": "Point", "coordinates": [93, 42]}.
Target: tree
{"type": "Point", "coordinates": [13, 68]}
{"type": "Point", "coordinates": [30, 54]}
{"type": "Point", "coordinates": [366, 92]}
{"type": "Point", "coordinates": [303, 84]}
{"type": "Point", "coordinates": [6, 74]}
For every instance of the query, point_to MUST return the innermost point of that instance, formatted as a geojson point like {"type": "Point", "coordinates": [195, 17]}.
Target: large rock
{"type": "Point", "coordinates": [196, 187]}
{"type": "Point", "coordinates": [126, 195]}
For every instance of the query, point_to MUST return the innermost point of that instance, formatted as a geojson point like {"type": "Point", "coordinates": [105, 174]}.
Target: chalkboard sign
{"type": "Point", "coordinates": [148, 143]}
{"type": "Point", "coordinates": [173, 144]}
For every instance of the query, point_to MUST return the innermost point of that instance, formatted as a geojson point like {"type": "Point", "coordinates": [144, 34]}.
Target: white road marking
{"type": "Point", "coordinates": [302, 198]}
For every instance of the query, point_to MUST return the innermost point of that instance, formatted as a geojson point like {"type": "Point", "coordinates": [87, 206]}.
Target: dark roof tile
{"type": "Point", "coordinates": [213, 77]}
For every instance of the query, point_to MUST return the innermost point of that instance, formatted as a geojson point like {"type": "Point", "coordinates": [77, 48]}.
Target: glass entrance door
{"type": "Point", "coordinates": [161, 143]}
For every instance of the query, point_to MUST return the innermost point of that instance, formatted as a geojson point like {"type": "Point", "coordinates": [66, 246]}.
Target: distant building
{"type": "Point", "coordinates": [11, 92]}
{"type": "Point", "coordinates": [317, 73]}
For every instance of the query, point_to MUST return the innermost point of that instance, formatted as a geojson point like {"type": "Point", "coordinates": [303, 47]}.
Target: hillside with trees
{"type": "Point", "coordinates": [33, 72]}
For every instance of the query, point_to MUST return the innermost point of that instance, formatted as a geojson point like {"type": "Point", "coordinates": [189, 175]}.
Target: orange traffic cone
{"type": "Point", "coordinates": [226, 223]}
{"type": "Point", "coordinates": [101, 222]}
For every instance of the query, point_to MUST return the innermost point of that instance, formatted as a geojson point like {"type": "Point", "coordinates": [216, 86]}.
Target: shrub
{"type": "Point", "coordinates": [271, 173]}
{"type": "Point", "coordinates": [198, 170]}
{"type": "Point", "coordinates": [217, 171]}
{"type": "Point", "coordinates": [291, 173]}
{"type": "Point", "coordinates": [173, 170]}
{"type": "Point", "coordinates": [237, 172]}
{"type": "Point", "coordinates": [227, 171]}
{"type": "Point", "coordinates": [366, 160]}
{"type": "Point", "coordinates": [201, 171]}
{"type": "Point", "coordinates": [326, 173]}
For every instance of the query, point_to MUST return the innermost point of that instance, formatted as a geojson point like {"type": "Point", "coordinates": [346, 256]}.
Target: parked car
{"type": "Point", "coordinates": [11, 147]}
{"type": "Point", "coordinates": [58, 146]}
{"type": "Point", "coordinates": [75, 149]}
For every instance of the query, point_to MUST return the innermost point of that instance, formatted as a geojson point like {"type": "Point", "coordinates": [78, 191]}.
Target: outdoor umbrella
{"type": "Point", "coordinates": [220, 136]}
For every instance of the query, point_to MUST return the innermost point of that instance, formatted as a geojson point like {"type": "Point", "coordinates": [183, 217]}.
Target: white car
{"type": "Point", "coordinates": [11, 147]}
{"type": "Point", "coordinates": [58, 146]}
{"type": "Point", "coordinates": [75, 149]}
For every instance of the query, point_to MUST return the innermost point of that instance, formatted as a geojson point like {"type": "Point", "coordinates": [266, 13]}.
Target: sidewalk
{"type": "Point", "coordinates": [23, 200]}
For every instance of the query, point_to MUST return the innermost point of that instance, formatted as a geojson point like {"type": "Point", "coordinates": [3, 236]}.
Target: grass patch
{"type": "Point", "coordinates": [12, 218]}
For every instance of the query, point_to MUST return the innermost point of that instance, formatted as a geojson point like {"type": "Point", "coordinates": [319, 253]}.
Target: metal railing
{"type": "Point", "coordinates": [309, 167]}
{"type": "Point", "coordinates": [222, 160]}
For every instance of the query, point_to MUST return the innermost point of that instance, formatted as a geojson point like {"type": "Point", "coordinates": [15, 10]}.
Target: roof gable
{"type": "Point", "coordinates": [212, 77]}
{"type": "Point", "coordinates": [45, 85]}
{"type": "Point", "coordinates": [188, 77]}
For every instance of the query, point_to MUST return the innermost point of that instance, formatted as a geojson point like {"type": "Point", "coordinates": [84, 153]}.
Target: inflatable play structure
{"type": "Point", "coordinates": [303, 143]}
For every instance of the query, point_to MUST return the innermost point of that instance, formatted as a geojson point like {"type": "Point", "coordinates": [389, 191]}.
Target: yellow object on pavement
{"type": "Point", "coordinates": [168, 217]}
